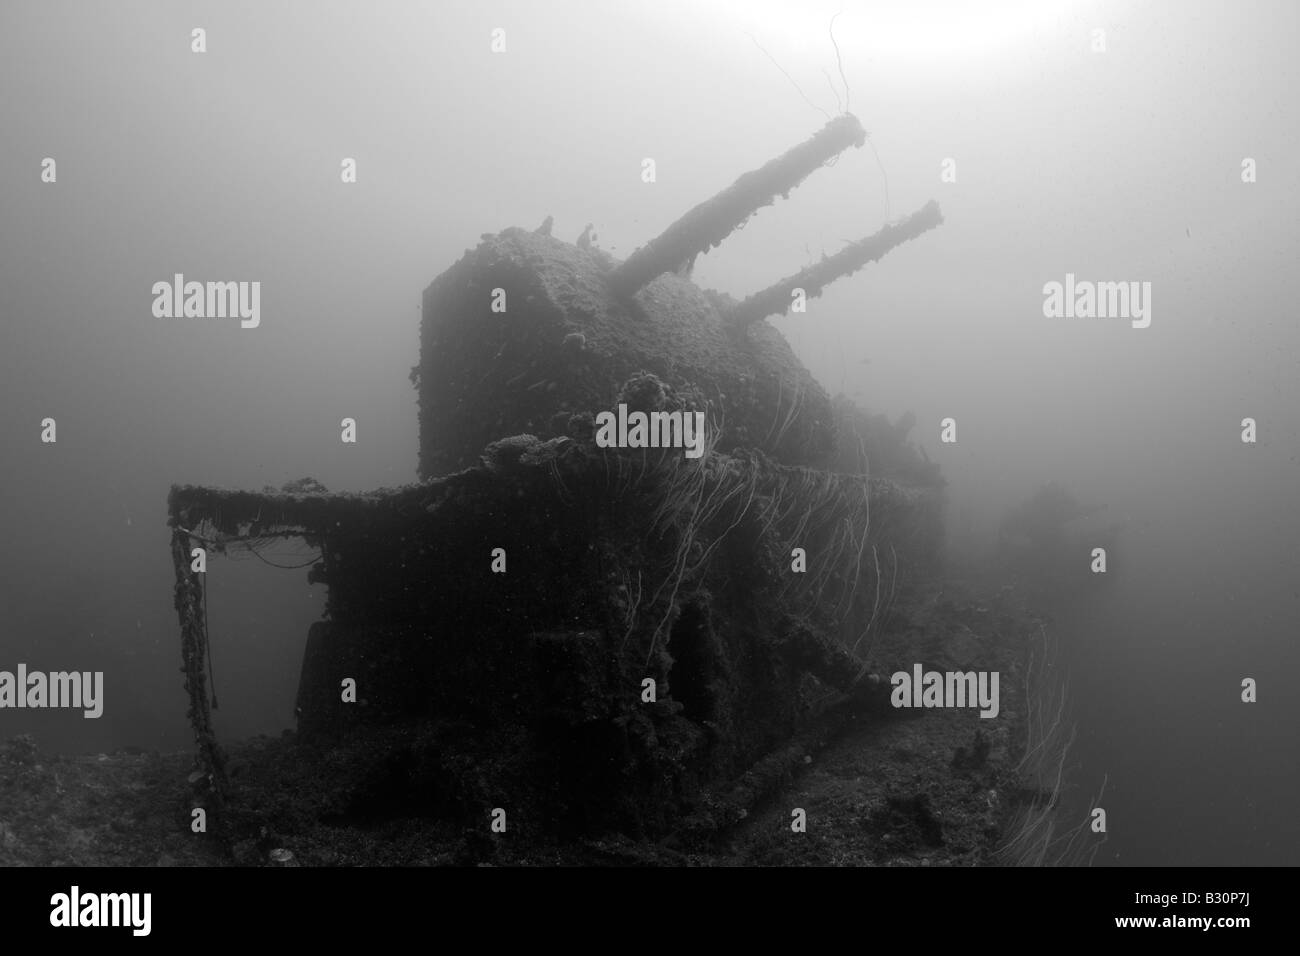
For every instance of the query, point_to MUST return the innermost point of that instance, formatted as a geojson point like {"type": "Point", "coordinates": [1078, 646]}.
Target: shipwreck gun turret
{"type": "Point", "coordinates": [527, 331]}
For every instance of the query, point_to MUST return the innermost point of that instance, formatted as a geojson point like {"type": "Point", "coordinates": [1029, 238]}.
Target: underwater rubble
{"type": "Point", "coordinates": [880, 787]}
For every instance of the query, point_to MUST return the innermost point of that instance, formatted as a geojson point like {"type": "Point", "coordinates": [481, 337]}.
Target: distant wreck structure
{"type": "Point", "coordinates": [607, 637]}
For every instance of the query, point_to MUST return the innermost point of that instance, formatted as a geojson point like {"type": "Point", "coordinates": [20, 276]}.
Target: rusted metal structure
{"type": "Point", "coordinates": [624, 565]}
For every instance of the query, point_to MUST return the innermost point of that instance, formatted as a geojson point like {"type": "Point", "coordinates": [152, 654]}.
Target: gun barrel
{"type": "Point", "coordinates": [776, 298]}
{"type": "Point", "coordinates": [713, 220]}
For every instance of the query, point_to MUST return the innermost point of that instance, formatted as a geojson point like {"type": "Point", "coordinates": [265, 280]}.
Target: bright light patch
{"type": "Point", "coordinates": [930, 33]}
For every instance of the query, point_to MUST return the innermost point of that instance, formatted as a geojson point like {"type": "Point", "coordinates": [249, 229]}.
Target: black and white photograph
{"type": "Point", "coordinates": [721, 435]}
